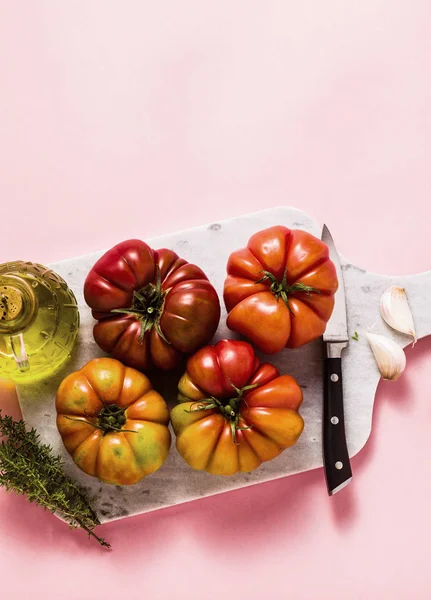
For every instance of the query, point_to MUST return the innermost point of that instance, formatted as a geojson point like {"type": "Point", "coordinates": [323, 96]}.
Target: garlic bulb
{"type": "Point", "coordinates": [389, 355]}
{"type": "Point", "coordinates": [395, 310]}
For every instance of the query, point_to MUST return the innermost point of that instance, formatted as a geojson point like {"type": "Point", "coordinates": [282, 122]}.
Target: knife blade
{"type": "Point", "coordinates": [338, 471]}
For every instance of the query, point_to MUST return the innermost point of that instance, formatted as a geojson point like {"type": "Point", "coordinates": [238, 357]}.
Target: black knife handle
{"type": "Point", "coordinates": [335, 454]}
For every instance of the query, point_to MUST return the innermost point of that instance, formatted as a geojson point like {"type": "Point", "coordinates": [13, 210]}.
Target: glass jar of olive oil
{"type": "Point", "coordinates": [39, 321]}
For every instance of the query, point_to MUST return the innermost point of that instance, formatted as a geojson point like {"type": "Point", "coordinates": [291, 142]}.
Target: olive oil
{"type": "Point", "coordinates": [39, 321]}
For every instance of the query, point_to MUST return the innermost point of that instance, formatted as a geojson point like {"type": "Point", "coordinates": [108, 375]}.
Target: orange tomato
{"type": "Point", "coordinates": [280, 289]}
{"type": "Point", "coordinates": [114, 425]}
{"type": "Point", "coordinates": [234, 412]}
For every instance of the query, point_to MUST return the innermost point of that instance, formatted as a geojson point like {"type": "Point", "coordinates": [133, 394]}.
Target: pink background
{"type": "Point", "coordinates": [135, 118]}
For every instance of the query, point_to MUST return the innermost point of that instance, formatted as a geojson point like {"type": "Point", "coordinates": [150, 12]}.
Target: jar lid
{"type": "Point", "coordinates": [11, 303]}
{"type": "Point", "coordinates": [18, 304]}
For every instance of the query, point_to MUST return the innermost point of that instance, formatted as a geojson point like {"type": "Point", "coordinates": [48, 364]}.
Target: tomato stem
{"type": "Point", "coordinates": [230, 408]}
{"type": "Point", "coordinates": [281, 289]}
{"type": "Point", "coordinates": [110, 418]}
{"type": "Point", "coordinates": [147, 307]}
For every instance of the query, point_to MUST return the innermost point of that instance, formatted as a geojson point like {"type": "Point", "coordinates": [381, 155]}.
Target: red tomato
{"type": "Point", "coordinates": [280, 289]}
{"type": "Point", "coordinates": [234, 412]}
{"type": "Point", "coordinates": [152, 306]}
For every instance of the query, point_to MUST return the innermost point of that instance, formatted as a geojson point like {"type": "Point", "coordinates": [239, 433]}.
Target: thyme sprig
{"type": "Point", "coordinates": [30, 468]}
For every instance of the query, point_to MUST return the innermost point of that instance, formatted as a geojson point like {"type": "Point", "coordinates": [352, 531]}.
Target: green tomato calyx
{"type": "Point", "coordinates": [110, 418]}
{"type": "Point", "coordinates": [147, 307]}
{"type": "Point", "coordinates": [230, 408]}
{"type": "Point", "coordinates": [281, 289]}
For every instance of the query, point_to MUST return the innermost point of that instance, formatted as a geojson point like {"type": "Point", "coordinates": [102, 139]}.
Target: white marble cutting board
{"type": "Point", "coordinates": [209, 247]}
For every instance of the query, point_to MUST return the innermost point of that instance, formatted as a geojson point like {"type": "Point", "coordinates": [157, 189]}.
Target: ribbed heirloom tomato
{"type": "Point", "coordinates": [152, 306]}
{"type": "Point", "coordinates": [112, 422]}
{"type": "Point", "coordinates": [280, 289]}
{"type": "Point", "coordinates": [234, 412]}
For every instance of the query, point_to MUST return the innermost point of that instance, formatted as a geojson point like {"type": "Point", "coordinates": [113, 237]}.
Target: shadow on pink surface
{"type": "Point", "coordinates": [250, 517]}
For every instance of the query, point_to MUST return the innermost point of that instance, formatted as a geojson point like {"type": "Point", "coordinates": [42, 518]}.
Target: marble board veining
{"type": "Point", "coordinates": [209, 246]}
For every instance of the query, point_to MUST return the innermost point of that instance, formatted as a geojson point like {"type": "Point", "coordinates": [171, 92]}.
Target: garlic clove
{"type": "Point", "coordinates": [390, 357]}
{"type": "Point", "coordinates": [395, 310]}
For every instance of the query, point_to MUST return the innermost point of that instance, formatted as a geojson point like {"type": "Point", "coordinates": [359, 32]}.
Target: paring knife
{"type": "Point", "coordinates": [335, 455]}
